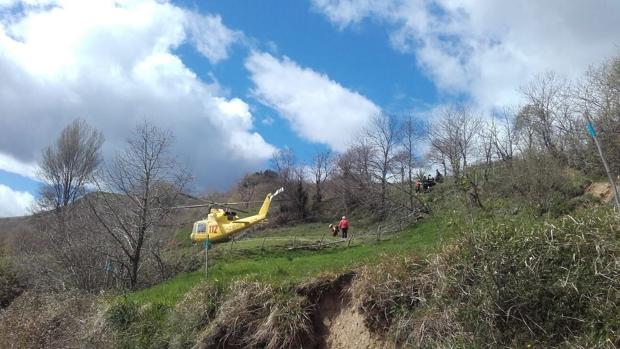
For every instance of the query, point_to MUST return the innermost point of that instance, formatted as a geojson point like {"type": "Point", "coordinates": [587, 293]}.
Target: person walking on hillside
{"type": "Point", "coordinates": [344, 226]}
{"type": "Point", "coordinates": [438, 176]}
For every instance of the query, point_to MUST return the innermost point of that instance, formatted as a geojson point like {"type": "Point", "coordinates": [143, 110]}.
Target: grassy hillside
{"type": "Point", "coordinates": [247, 260]}
{"type": "Point", "coordinates": [175, 310]}
{"type": "Point", "coordinates": [446, 281]}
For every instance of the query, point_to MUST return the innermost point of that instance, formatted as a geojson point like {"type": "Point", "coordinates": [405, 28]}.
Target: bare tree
{"type": "Point", "coordinates": [345, 180]}
{"type": "Point", "coordinates": [442, 135]}
{"type": "Point", "coordinates": [300, 195]}
{"type": "Point", "coordinates": [321, 169]}
{"type": "Point", "coordinates": [497, 140]}
{"type": "Point", "coordinates": [247, 188]}
{"type": "Point", "coordinates": [599, 96]}
{"type": "Point", "coordinates": [361, 155]}
{"type": "Point", "coordinates": [437, 156]}
{"type": "Point", "coordinates": [504, 135]}
{"type": "Point", "coordinates": [67, 167]}
{"type": "Point", "coordinates": [453, 135]}
{"type": "Point", "coordinates": [136, 193]}
{"type": "Point", "coordinates": [352, 176]}
{"type": "Point", "coordinates": [547, 105]}
{"type": "Point", "coordinates": [383, 135]}
{"type": "Point", "coordinates": [468, 126]}
{"type": "Point", "coordinates": [487, 146]}
{"type": "Point", "coordinates": [407, 155]}
{"type": "Point", "coordinates": [284, 164]}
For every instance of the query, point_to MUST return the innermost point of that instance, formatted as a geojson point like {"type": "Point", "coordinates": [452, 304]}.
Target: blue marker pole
{"type": "Point", "coordinates": [206, 258]}
{"type": "Point", "coordinates": [108, 269]}
{"type": "Point", "coordinates": [592, 133]}
{"type": "Point", "coordinates": [591, 130]}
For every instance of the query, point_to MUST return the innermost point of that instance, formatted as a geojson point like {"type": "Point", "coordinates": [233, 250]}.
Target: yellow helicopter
{"type": "Point", "coordinates": [220, 225]}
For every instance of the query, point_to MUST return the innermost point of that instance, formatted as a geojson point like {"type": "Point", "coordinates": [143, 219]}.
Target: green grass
{"type": "Point", "coordinates": [182, 237]}
{"type": "Point", "coordinates": [315, 230]}
{"type": "Point", "coordinates": [302, 234]}
{"type": "Point", "coordinates": [293, 266]}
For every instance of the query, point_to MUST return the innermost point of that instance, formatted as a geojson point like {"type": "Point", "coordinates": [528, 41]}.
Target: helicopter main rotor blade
{"type": "Point", "coordinates": [189, 206]}
{"type": "Point", "coordinates": [210, 204]}
{"type": "Point", "coordinates": [227, 204]}
{"type": "Point", "coordinates": [229, 207]}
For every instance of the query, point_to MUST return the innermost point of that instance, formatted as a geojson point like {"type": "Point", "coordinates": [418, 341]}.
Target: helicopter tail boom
{"type": "Point", "coordinates": [265, 208]}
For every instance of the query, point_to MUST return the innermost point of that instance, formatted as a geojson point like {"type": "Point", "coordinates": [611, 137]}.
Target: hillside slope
{"type": "Point", "coordinates": [462, 277]}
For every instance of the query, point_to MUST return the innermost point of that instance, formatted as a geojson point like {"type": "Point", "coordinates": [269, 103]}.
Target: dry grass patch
{"type": "Point", "coordinates": [263, 316]}
{"type": "Point", "coordinates": [193, 314]}
{"type": "Point", "coordinates": [398, 300]}
{"type": "Point", "coordinates": [11, 283]}
{"type": "Point", "coordinates": [46, 320]}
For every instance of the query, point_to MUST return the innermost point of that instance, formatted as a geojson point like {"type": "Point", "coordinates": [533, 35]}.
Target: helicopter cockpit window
{"type": "Point", "coordinates": [230, 215]}
{"type": "Point", "coordinates": [201, 228]}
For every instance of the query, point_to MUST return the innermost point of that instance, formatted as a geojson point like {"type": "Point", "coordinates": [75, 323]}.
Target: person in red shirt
{"type": "Point", "coordinates": [344, 226]}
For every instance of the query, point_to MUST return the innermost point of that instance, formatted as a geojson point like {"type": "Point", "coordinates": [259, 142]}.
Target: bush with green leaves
{"type": "Point", "coordinates": [135, 326]}
{"type": "Point", "coordinates": [539, 181]}
{"type": "Point", "coordinates": [122, 313]}
{"type": "Point", "coordinates": [546, 285]}
{"type": "Point", "coordinates": [556, 284]}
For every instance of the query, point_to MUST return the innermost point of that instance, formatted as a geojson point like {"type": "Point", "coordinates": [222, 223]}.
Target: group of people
{"type": "Point", "coordinates": [342, 228]}
{"type": "Point", "coordinates": [428, 182]}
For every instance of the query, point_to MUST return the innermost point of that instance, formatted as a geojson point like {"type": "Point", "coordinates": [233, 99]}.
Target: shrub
{"type": "Point", "coordinates": [537, 180]}
{"type": "Point", "coordinates": [193, 314]}
{"type": "Point", "coordinates": [399, 299]}
{"type": "Point", "coordinates": [135, 326]}
{"type": "Point", "coordinates": [10, 283]}
{"type": "Point", "coordinates": [544, 285]}
{"type": "Point", "coordinates": [557, 284]}
{"type": "Point", "coordinates": [122, 314]}
{"type": "Point", "coordinates": [261, 315]}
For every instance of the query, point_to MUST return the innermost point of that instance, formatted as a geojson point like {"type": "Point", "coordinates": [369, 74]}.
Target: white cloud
{"type": "Point", "coordinates": [14, 203]}
{"type": "Point", "coordinates": [268, 120]}
{"type": "Point", "coordinates": [10, 164]}
{"type": "Point", "coordinates": [318, 108]}
{"type": "Point", "coordinates": [489, 48]}
{"type": "Point", "coordinates": [210, 36]}
{"type": "Point", "coordinates": [350, 12]}
{"type": "Point", "coordinates": [113, 64]}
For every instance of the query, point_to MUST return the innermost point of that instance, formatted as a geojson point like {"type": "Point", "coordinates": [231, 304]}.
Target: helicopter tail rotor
{"type": "Point", "coordinates": [277, 192]}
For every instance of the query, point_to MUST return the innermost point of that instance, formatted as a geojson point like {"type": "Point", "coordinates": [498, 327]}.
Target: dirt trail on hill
{"type": "Point", "coordinates": [601, 190]}
{"type": "Point", "coordinates": [338, 323]}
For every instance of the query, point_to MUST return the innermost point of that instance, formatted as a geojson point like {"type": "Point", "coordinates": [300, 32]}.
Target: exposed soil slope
{"type": "Point", "coordinates": [601, 190]}
{"type": "Point", "coordinates": [338, 324]}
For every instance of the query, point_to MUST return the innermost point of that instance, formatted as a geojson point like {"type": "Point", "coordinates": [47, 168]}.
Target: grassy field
{"type": "Point", "coordinates": [246, 259]}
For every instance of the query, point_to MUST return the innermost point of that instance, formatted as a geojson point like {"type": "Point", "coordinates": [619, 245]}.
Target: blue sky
{"type": "Point", "coordinates": [293, 29]}
{"type": "Point", "coordinates": [237, 80]}
{"type": "Point", "coordinates": [360, 59]}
